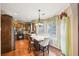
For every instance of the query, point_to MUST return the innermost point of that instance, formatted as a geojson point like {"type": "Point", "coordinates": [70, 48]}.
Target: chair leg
{"type": "Point", "coordinates": [48, 49]}
{"type": "Point", "coordinates": [39, 47]}
{"type": "Point", "coordinates": [29, 47]}
{"type": "Point", "coordinates": [43, 51]}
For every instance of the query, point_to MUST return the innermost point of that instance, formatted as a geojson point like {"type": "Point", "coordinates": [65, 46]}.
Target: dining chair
{"type": "Point", "coordinates": [31, 43]}
{"type": "Point", "coordinates": [44, 45]}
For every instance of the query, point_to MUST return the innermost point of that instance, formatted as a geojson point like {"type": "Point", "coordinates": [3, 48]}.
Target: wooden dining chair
{"type": "Point", "coordinates": [31, 44]}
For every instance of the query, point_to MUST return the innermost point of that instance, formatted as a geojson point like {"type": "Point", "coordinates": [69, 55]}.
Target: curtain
{"type": "Point", "coordinates": [63, 35]}
{"type": "Point", "coordinates": [58, 32]}
{"type": "Point", "coordinates": [68, 36]}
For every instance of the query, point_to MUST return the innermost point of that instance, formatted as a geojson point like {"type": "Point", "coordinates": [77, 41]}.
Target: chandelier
{"type": "Point", "coordinates": [39, 20]}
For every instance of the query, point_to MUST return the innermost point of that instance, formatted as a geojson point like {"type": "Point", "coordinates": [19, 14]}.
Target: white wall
{"type": "Point", "coordinates": [0, 30]}
{"type": "Point", "coordinates": [74, 28]}
{"type": "Point", "coordinates": [72, 12]}
{"type": "Point", "coordinates": [0, 34]}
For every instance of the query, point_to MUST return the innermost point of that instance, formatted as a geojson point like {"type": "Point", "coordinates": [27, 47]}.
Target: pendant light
{"type": "Point", "coordinates": [39, 20]}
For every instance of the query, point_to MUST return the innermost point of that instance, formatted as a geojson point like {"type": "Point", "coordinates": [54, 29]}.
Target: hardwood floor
{"type": "Point", "coordinates": [22, 50]}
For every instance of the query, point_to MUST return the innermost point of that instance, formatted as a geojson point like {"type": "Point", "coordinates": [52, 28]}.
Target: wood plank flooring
{"type": "Point", "coordinates": [22, 50]}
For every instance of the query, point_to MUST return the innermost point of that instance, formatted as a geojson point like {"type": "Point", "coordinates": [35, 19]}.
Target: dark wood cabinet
{"type": "Point", "coordinates": [78, 29]}
{"type": "Point", "coordinates": [6, 23]}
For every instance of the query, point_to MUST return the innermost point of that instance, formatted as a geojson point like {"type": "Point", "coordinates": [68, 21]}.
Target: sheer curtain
{"type": "Point", "coordinates": [65, 36]}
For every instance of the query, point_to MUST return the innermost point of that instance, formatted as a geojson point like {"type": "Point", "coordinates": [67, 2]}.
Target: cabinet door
{"type": "Point", "coordinates": [5, 33]}
{"type": "Point", "coordinates": [78, 29]}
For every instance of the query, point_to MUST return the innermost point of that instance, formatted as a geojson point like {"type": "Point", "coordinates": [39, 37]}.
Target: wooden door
{"type": "Point", "coordinates": [5, 33]}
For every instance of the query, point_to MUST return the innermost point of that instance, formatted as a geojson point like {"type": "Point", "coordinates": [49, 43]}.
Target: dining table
{"type": "Point", "coordinates": [37, 39]}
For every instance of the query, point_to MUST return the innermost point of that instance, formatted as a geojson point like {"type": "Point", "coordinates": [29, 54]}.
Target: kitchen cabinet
{"type": "Point", "coordinates": [6, 35]}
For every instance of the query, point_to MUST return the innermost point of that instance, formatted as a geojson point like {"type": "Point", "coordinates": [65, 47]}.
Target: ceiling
{"type": "Point", "coordinates": [29, 11]}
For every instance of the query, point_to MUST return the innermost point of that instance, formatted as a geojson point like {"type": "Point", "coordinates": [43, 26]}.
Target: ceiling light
{"type": "Point", "coordinates": [39, 20]}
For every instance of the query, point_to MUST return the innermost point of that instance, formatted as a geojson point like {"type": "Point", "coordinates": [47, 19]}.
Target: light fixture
{"type": "Point", "coordinates": [39, 20]}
